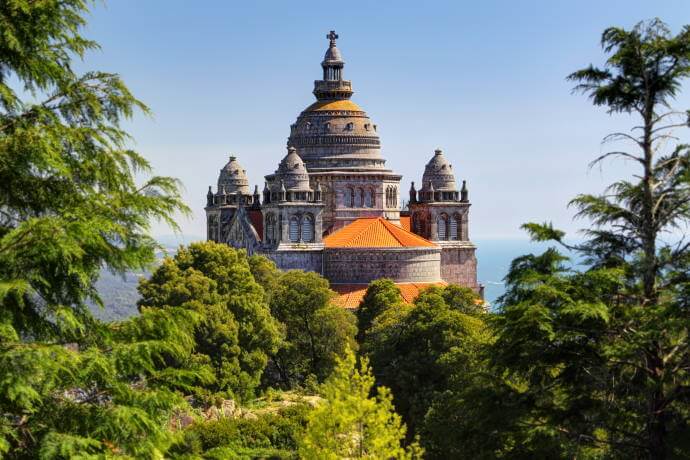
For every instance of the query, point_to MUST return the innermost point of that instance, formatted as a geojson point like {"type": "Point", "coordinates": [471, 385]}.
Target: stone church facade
{"type": "Point", "coordinates": [334, 207]}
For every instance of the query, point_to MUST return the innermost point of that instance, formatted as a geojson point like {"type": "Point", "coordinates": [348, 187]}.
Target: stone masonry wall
{"type": "Point", "coordinates": [459, 266]}
{"type": "Point", "coordinates": [411, 265]}
{"type": "Point", "coordinates": [311, 261]}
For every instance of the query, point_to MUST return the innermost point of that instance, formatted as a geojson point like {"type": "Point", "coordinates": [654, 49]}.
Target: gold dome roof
{"type": "Point", "coordinates": [328, 105]}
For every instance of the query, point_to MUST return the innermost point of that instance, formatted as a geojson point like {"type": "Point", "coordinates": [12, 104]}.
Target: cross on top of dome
{"type": "Point", "coordinates": [332, 36]}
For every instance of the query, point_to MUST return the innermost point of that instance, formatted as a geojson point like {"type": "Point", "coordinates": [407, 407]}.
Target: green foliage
{"type": "Point", "coordinates": [411, 349]}
{"type": "Point", "coordinates": [265, 273]}
{"type": "Point", "coordinates": [350, 423]}
{"type": "Point", "coordinates": [264, 435]}
{"type": "Point", "coordinates": [115, 396]}
{"type": "Point", "coordinates": [317, 332]}
{"type": "Point", "coordinates": [381, 294]}
{"type": "Point", "coordinates": [70, 205]}
{"type": "Point", "coordinates": [594, 363]}
{"type": "Point", "coordinates": [237, 333]}
{"type": "Point", "coordinates": [543, 232]}
{"type": "Point", "coordinates": [460, 298]}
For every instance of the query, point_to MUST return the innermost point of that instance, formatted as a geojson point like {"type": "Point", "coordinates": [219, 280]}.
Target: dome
{"type": "Point", "coordinates": [337, 105]}
{"type": "Point", "coordinates": [439, 173]}
{"type": "Point", "coordinates": [333, 55]}
{"type": "Point", "coordinates": [292, 173]}
{"type": "Point", "coordinates": [233, 178]}
{"type": "Point", "coordinates": [334, 133]}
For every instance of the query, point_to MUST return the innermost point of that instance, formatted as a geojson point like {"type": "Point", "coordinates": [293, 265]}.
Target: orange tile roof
{"type": "Point", "coordinates": [374, 232]}
{"type": "Point", "coordinates": [351, 295]}
{"type": "Point", "coordinates": [405, 223]}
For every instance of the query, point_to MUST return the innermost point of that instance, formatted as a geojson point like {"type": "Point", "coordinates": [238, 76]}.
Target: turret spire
{"type": "Point", "coordinates": [332, 86]}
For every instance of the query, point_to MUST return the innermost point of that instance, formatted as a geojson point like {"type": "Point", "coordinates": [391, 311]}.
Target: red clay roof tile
{"type": "Point", "coordinates": [374, 232]}
{"type": "Point", "coordinates": [351, 295]}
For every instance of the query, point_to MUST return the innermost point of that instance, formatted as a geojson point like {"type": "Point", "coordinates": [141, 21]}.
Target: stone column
{"type": "Point", "coordinates": [433, 225]}
{"type": "Point", "coordinates": [318, 227]}
{"type": "Point", "coordinates": [285, 226]}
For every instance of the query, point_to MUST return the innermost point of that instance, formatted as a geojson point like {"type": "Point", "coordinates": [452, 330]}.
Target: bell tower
{"type": "Point", "coordinates": [439, 212]}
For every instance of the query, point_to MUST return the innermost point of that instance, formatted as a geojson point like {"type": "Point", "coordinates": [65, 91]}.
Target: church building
{"type": "Point", "coordinates": [334, 207]}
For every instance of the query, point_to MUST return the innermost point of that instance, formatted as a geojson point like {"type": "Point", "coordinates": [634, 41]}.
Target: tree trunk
{"type": "Point", "coordinates": [656, 423]}
{"type": "Point", "coordinates": [656, 426]}
{"type": "Point", "coordinates": [648, 217]}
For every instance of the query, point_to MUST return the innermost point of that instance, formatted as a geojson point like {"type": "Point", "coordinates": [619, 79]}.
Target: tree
{"type": "Point", "coordinates": [317, 332]}
{"type": "Point", "coordinates": [463, 299]}
{"type": "Point", "coordinates": [605, 351]}
{"type": "Point", "coordinates": [265, 273]}
{"type": "Point", "coordinates": [70, 204]}
{"type": "Point", "coordinates": [380, 295]}
{"type": "Point", "coordinates": [236, 332]}
{"type": "Point", "coordinates": [351, 423]}
{"type": "Point", "coordinates": [409, 348]}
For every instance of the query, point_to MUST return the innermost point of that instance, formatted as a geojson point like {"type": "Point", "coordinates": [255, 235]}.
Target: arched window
{"type": "Point", "coordinates": [417, 223]}
{"type": "Point", "coordinates": [454, 227]}
{"type": "Point", "coordinates": [294, 229]}
{"type": "Point", "coordinates": [307, 228]}
{"type": "Point", "coordinates": [391, 197]}
{"type": "Point", "coordinates": [358, 198]}
{"type": "Point", "coordinates": [368, 201]}
{"type": "Point", "coordinates": [269, 231]}
{"type": "Point", "coordinates": [349, 197]}
{"type": "Point", "coordinates": [213, 228]}
{"type": "Point", "coordinates": [441, 223]}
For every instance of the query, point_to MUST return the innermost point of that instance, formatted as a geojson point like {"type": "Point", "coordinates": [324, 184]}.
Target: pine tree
{"type": "Point", "coordinates": [353, 424]}
{"type": "Point", "coordinates": [70, 205]}
{"type": "Point", "coordinates": [603, 354]}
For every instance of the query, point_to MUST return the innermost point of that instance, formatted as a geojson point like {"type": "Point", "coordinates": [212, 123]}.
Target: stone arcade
{"type": "Point", "coordinates": [333, 207]}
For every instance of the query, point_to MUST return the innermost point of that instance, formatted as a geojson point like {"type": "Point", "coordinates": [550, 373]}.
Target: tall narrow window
{"type": "Point", "coordinates": [358, 198]}
{"type": "Point", "coordinates": [367, 198]}
{"type": "Point", "coordinates": [349, 197]}
{"type": "Point", "coordinates": [417, 223]}
{"type": "Point", "coordinates": [294, 229]}
{"type": "Point", "coordinates": [391, 197]}
{"type": "Point", "coordinates": [307, 228]}
{"type": "Point", "coordinates": [454, 226]}
{"type": "Point", "coordinates": [441, 224]}
{"type": "Point", "coordinates": [270, 228]}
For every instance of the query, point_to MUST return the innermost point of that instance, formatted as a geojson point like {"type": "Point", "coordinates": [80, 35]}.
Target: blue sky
{"type": "Point", "coordinates": [483, 80]}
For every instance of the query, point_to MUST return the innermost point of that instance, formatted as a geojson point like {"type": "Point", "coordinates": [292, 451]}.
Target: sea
{"type": "Point", "coordinates": [493, 262]}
